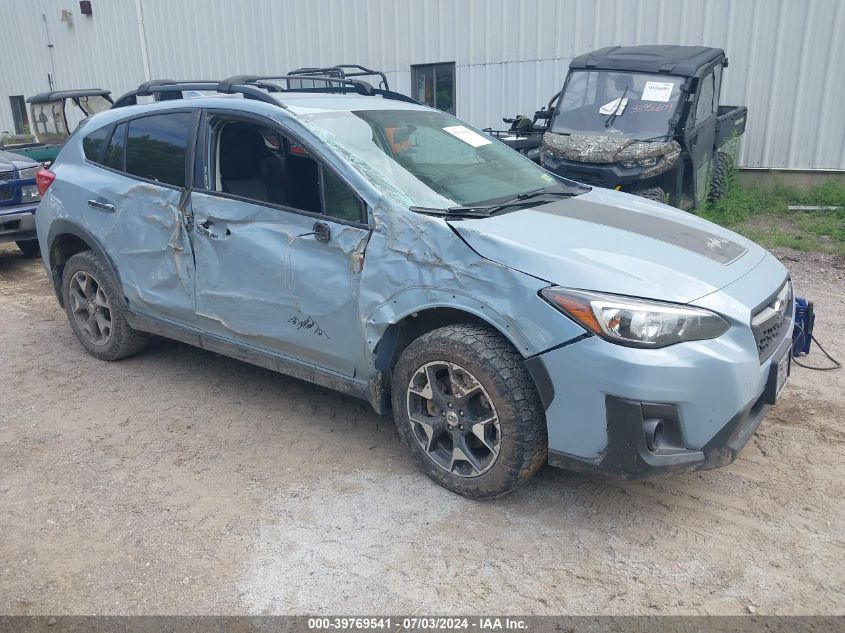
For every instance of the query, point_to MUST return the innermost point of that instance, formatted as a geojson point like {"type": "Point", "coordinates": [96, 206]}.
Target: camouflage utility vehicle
{"type": "Point", "coordinates": [647, 120]}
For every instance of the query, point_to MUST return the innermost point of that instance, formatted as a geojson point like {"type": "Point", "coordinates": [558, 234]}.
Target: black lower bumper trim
{"type": "Point", "coordinates": [627, 455]}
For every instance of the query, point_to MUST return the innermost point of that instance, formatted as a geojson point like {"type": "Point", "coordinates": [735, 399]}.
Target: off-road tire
{"type": "Point", "coordinates": [123, 341]}
{"type": "Point", "coordinates": [722, 168]}
{"type": "Point", "coordinates": [29, 248]}
{"type": "Point", "coordinates": [500, 369]}
{"type": "Point", "coordinates": [652, 193]}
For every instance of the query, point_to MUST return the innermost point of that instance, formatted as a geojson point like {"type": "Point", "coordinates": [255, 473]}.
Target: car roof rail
{"type": "Point", "coordinates": [260, 88]}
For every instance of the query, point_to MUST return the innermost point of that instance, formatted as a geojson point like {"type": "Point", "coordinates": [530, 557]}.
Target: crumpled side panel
{"type": "Point", "coordinates": [414, 262]}
{"type": "Point", "coordinates": [264, 279]}
{"type": "Point", "coordinates": [144, 237]}
{"type": "Point", "coordinates": [152, 250]}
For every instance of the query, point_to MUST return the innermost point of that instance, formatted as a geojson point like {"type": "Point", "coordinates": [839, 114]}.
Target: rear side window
{"type": "Point", "coordinates": [117, 148]}
{"type": "Point", "coordinates": [157, 145]}
{"type": "Point", "coordinates": [94, 143]}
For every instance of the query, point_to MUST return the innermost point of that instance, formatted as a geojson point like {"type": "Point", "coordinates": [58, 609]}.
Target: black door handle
{"type": "Point", "coordinates": [322, 232]}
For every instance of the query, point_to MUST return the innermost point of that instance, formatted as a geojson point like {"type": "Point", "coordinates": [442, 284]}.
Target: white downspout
{"type": "Point", "coordinates": [142, 37]}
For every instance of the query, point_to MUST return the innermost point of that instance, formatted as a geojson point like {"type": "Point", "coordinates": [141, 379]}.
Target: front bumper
{"type": "Point", "coordinates": [712, 396]}
{"type": "Point", "coordinates": [17, 223]}
{"type": "Point", "coordinates": [608, 175]}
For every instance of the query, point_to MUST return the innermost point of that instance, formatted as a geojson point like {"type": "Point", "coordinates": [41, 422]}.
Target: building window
{"type": "Point", "coordinates": [19, 114]}
{"type": "Point", "coordinates": [434, 85]}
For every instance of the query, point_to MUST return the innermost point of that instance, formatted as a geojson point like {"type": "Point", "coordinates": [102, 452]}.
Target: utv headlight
{"type": "Point", "coordinates": [643, 162]}
{"type": "Point", "coordinates": [636, 322]}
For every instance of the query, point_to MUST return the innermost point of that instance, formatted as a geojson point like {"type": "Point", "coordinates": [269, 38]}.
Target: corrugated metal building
{"type": "Point", "coordinates": [501, 56]}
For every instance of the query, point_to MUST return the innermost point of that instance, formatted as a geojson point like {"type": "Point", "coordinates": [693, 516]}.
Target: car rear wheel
{"type": "Point", "coordinates": [29, 248]}
{"type": "Point", "coordinates": [94, 309]}
{"type": "Point", "coordinates": [468, 410]}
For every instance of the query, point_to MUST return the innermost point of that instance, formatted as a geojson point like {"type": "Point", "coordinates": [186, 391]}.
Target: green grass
{"type": "Point", "coordinates": [760, 213]}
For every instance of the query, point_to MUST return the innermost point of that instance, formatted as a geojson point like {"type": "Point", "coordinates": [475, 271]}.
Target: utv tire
{"type": "Point", "coordinates": [722, 168]}
{"type": "Point", "coordinates": [29, 248]}
{"type": "Point", "coordinates": [468, 410]}
{"type": "Point", "coordinates": [95, 309]}
{"type": "Point", "coordinates": [652, 193]}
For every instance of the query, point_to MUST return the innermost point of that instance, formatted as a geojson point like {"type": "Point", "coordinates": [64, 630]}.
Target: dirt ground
{"type": "Point", "coordinates": [182, 482]}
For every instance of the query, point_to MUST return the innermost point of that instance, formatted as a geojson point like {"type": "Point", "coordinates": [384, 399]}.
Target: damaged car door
{"type": "Point", "coordinates": [136, 206]}
{"type": "Point", "coordinates": [279, 243]}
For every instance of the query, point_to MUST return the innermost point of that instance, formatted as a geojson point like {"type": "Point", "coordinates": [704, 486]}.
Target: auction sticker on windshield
{"type": "Point", "coordinates": [657, 91]}
{"type": "Point", "coordinates": [467, 136]}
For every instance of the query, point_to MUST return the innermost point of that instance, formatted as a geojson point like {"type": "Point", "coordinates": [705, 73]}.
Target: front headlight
{"type": "Point", "coordinates": [26, 174]}
{"type": "Point", "coordinates": [636, 322]}
{"type": "Point", "coordinates": [30, 193]}
{"type": "Point", "coordinates": [643, 162]}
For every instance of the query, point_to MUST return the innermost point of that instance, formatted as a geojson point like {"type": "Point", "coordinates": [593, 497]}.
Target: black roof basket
{"type": "Point", "coordinates": [261, 88]}
{"type": "Point", "coordinates": [344, 71]}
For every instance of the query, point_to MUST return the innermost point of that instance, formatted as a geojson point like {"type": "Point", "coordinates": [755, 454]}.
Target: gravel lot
{"type": "Point", "coordinates": [182, 482]}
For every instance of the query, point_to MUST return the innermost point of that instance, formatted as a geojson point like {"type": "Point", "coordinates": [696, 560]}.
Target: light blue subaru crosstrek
{"type": "Point", "coordinates": [353, 238]}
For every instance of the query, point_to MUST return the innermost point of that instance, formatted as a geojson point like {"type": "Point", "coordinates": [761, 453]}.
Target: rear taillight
{"type": "Point", "coordinates": [43, 180]}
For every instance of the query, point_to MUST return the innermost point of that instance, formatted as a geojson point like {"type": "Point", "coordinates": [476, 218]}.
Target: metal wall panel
{"type": "Point", "coordinates": [787, 57]}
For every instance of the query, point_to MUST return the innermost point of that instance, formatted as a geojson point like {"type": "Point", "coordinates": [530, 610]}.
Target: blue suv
{"type": "Point", "coordinates": [354, 238]}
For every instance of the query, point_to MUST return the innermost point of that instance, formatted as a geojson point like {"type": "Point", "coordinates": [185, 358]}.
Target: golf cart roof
{"type": "Point", "coordinates": [55, 95]}
{"type": "Point", "coordinates": [675, 60]}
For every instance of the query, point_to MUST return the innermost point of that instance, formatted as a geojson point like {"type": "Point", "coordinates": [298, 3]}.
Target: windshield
{"type": "Point", "coordinates": [48, 119]}
{"type": "Point", "coordinates": [428, 159]}
{"type": "Point", "coordinates": [635, 105]}
{"type": "Point", "coordinates": [92, 104]}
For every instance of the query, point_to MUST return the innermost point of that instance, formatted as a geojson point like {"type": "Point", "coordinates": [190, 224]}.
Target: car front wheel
{"type": "Point", "coordinates": [467, 408]}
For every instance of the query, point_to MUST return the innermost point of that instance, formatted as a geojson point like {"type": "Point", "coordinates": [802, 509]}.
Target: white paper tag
{"type": "Point", "coordinates": [658, 91]}
{"type": "Point", "coordinates": [467, 135]}
{"type": "Point", "coordinates": [617, 104]}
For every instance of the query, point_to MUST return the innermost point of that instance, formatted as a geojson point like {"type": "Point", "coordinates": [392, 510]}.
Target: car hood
{"type": "Point", "coordinates": [10, 161]}
{"type": "Point", "coordinates": [615, 242]}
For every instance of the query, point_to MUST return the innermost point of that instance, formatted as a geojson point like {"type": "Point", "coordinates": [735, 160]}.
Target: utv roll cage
{"type": "Point", "coordinates": [262, 88]}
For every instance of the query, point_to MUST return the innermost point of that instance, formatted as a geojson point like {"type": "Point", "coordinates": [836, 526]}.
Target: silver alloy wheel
{"type": "Point", "coordinates": [453, 419]}
{"type": "Point", "coordinates": [90, 307]}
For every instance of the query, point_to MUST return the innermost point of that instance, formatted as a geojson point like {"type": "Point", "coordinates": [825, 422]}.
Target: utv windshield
{"type": "Point", "coordinates": [635, 105]}
{"type": "Point", "coordinates": [429, 159]}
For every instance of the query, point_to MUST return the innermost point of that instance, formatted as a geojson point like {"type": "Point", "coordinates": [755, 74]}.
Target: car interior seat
{"type": "Point", "coordinates": [248, 168]}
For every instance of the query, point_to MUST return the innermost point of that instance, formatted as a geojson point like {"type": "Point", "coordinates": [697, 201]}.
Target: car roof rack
{"type": "Point", "coordinates": [260, 88]}
{"type": "Point", "coordinates": [344, 71]}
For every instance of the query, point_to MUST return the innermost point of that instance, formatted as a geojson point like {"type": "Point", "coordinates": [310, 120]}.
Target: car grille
{"type": "Point", "coordinates": [586, 179]}
{"type": "Point", "coordinates": [6, 193]}
{"type": "Point", "coordinates": [7, 175]}
{"type": "Point", "coordinates": [771, 321]}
